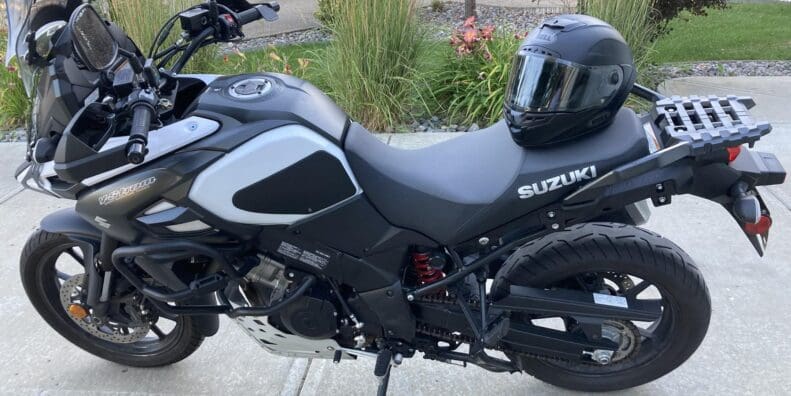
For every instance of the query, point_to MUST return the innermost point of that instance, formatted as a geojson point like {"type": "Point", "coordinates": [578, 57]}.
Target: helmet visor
{"type": "Point", "coordinates": [545, 84]}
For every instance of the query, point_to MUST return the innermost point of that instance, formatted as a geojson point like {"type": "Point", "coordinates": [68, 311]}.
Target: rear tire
{"type": "Point", "coordinates": [37, 270]}
{"type": "Point", "coordinates": [615, 248]}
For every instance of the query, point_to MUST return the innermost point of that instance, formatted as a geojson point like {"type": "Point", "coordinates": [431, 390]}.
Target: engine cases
{"type": "Point", "coordinates": [311, 317]}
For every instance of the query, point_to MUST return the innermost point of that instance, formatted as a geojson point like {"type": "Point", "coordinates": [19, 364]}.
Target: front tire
{"type": "Point", "coordinates": [42, 280]}
{"type": "Point", "coordinates": [617, 254]}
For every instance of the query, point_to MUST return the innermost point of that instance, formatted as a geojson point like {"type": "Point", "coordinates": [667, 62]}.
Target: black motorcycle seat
{"type": "Point", "coordinates": [464, 187]}
{"type": "Point", "coordinates": [435, 189]}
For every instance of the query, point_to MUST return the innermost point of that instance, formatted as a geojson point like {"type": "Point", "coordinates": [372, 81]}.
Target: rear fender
{"type": "Point", "coordinates": [676, 170]}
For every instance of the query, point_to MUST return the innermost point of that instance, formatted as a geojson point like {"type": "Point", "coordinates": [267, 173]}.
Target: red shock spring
{"type": "Point", "coordinates": [425, 272]}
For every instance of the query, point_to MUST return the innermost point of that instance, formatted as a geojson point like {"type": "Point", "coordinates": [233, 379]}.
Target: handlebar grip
{"type": "Point", "coordinates": [266, 11]}
{"type": "Point", "coordinates": [249, 16]}
{"type": "Point", "coordinates": [136, 153]}
{"type": "Point", "coordinates": [138, 137]}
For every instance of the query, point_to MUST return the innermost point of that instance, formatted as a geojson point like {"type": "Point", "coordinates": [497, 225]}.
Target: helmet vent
{"type": "Point", "coordinates": [541, 51]}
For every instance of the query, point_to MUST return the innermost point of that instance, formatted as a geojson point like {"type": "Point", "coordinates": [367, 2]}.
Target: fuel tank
{"type": "Point", "coordinates": [276, 160]}
{"type": "Point", "coordinates": [250, 98]}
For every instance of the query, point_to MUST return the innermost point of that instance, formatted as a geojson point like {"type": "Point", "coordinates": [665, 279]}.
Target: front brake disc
{"type": "Point", "coordinates": [71, 292]}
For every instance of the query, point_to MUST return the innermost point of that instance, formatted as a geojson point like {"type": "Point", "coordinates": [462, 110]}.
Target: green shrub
{"type": "Point", "coordinates": [437, 5]}
{"type": "Point", "coordinates": [472, 83]}
{"type": "Point", "coordinates": [297, 60]}
{"type": "Point", "coordinates": [327, 11]}
{"type": "Point", "coordinates": [371, 66]}
{"type": "Point", "coordinates": [141, 20]}
{"type": "Point", "coordinates": [633, 18]}
{"type": "Point", "coordinates": [14, 102]}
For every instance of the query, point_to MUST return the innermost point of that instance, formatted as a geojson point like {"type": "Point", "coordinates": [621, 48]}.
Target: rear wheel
{"type": "Point", "coordinates": [618, 260]}
{"type": "Point", "coordinates": [52, 267]}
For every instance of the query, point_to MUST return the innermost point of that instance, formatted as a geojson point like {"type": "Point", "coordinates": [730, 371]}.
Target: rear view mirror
{"type": "Point", "coordinates": [46, 36]}
{"type": "Point", "coordinates": [94, 43]}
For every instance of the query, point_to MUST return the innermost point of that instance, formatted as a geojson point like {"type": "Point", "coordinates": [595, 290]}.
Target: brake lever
{"type": "Point", "coordinates": [269, 11]}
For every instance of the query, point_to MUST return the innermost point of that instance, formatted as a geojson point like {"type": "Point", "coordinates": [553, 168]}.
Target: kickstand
{"type": "Point", "coordinates": [384, 362]}
{"type": "Point", "coordinates": [384, 382]}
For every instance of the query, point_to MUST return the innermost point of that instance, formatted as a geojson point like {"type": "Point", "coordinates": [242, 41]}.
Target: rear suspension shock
{"type": "Point", "coordinates": [426, 273]}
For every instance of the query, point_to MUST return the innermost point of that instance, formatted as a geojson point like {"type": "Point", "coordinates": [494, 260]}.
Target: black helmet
{"type": "Point", "coordinates": [570, 77]}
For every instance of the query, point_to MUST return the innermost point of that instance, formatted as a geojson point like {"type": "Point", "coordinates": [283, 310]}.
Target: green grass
{"type": "Point", "coordinates": [739, 32]}
{"type": "Point", "coordinates": [300, 58]}
{"type": "Point", "coordinates": [14, 103]}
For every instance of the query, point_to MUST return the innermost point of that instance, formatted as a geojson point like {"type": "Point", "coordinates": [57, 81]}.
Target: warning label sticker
{"type": "Point", "coordinates": [315, 258]}
{"type": "Point", "coordinates": [613, 301]}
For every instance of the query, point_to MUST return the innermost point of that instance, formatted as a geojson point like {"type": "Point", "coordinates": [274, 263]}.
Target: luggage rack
{"type": "Point", "coordinates": [708, 123]}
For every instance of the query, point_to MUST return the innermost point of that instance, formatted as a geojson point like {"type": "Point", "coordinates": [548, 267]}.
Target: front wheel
{"type": "Point", "coordinates": [52, 267]}
{"type": "Point", "coordinates": [621, 260]}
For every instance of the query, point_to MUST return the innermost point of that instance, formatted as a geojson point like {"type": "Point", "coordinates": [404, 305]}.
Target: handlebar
{"type": "Point", "coordinates": [143, 112]}
{"type": "Point", "coordinates": [266, 11]}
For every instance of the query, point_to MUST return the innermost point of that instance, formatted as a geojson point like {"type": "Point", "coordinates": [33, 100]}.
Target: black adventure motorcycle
{"type": "Point", "coordinates": [256, 197]}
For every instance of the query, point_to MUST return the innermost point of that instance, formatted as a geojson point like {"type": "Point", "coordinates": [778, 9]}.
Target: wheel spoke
{"type": "Point", "coordinates": [637, 289]}
{"type": "Point", "coordinates": [160, 334]}
{"type": "Point", "coordinates": [71, 252]}
{"type": "Point", "coordinates": [63, 276]}
{"type": "Point", "coordinates": [646, 333]}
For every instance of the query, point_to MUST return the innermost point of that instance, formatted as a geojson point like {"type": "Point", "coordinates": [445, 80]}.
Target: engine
{"type": "Point", "coordinates": [313, 316]}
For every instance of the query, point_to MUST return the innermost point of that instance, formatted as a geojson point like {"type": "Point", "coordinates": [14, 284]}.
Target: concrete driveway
{"type": "Point", "coordinates": [746, 351]}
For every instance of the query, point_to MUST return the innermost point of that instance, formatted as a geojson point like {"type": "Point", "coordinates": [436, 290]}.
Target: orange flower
{"type": "Point", "coordinates": [487, 33]}
{"type": "Point", "coordinates": [470, 36]}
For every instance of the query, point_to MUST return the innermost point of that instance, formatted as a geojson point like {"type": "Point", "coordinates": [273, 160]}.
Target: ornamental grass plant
{"type": "Point", "coordinates": [372, 67]}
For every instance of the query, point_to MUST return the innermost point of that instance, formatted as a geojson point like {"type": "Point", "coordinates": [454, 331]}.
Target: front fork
{"type": "Point", "coordinates": [98, 270]}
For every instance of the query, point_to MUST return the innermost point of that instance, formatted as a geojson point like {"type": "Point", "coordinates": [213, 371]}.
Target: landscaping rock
{"type": "Point", "coordinates": [440, 25]}
{"type": "Point", "coordinates": [314, 35]}
{"type": "Point", "coordinates": [17, 135]}
{"type": "Point", "coordinates": [512, 20]}
{"type": "Point", "coordinates": [726, 69]}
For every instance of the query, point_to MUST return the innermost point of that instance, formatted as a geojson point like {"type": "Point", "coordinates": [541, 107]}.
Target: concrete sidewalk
{"type": "Point", "coordinates": [746, 351]}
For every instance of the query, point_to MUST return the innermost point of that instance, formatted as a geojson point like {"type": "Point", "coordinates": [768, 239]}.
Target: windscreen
{"type": "Point", "coordinates": [24, 16]}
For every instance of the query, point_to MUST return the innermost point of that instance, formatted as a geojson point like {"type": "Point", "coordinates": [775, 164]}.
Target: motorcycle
{"type": "Point", "coordinates": [256, 197]}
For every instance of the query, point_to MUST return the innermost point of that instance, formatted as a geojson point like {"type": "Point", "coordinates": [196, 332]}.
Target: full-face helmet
{"type": "Point", "coordinates": [571, 76]}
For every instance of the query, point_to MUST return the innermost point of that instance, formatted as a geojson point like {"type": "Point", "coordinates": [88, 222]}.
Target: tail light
{"type": "Point", "coordinates": [733, 153]}
{"type": "Point", "coordinates": [760, 228]}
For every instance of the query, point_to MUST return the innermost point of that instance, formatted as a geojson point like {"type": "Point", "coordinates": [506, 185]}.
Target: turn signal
{"type": "Point", "coordinates": [78, 311]}
{"type": "Point", "coordinates": [760, 228]}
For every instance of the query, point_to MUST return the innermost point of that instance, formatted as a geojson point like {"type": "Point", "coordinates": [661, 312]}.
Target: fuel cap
{"type": "Point", "coordinates": [251, 88]}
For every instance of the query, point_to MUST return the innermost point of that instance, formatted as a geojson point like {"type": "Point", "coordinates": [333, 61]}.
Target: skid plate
{"type": "Point", "coordinates": [288, 345]}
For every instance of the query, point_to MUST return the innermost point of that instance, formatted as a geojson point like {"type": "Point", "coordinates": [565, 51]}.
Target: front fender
{"type": "Point", "coordinates": [69, 223]}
